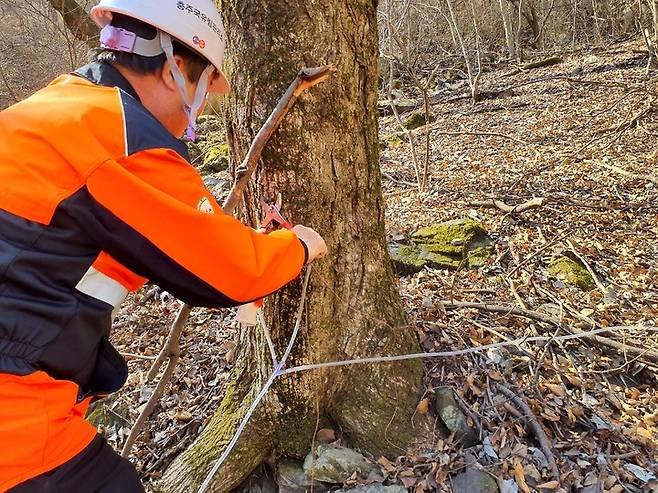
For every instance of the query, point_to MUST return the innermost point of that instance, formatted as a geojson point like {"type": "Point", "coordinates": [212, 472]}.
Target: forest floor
{"type": "Point", "coordinates": [582, 136]}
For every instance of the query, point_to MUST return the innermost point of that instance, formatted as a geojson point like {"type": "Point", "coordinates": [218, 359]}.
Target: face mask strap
{"type": "Point", "coordinates": [191, 108]}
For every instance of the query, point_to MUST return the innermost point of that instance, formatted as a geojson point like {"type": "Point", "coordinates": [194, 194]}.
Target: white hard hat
{"type": "Point", "coordinates": [194, 23]}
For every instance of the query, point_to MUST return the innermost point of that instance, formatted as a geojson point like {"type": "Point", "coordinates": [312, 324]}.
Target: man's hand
{"type": "Point", "coordinates": [316, 246]}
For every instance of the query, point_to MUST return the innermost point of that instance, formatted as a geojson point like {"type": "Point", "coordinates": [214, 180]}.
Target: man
{"type": "Point", "coordinates": [96, 197]}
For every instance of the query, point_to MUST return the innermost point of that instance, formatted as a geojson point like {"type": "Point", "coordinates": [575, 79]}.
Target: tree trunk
{"type": "Point", "coordinates": [325, 161]}
{"type": "Point", "coordinates": [508, 26]}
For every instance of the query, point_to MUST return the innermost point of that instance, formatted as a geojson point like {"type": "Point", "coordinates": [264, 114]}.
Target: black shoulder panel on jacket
{"type": "Point", "coordinates": [144, 132]}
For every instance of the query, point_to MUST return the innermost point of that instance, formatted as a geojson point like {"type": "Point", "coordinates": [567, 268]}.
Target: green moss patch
{"type": "Point", "coordinates": [572, 272]}
{"type": "Point", "coordinates": [215, 158]}
{"type": "Point", "coordinates": [451, 245]}
{"type": "Point", "coordinates": [415, 120]}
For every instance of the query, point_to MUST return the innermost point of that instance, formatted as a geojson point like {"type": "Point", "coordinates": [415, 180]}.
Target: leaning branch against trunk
{"type": "Point", "coordinates": [306, 79]}
{"type": "Point", "coordinates": [77, 21]}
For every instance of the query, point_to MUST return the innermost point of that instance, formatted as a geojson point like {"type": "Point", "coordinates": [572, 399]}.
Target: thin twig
{"type": "Point", "coordinates": [536, 427]}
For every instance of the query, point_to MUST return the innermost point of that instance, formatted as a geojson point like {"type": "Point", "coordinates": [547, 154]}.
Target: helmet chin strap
{"type": "Point", "coordinates": [191, 108]}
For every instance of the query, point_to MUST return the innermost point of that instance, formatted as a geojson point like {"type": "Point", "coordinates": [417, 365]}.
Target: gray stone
{"type": "Point", "coordinates": [474, 481]}
{"type": "Point", "coordinates": [336, 465]}
{"type": "Point", "coordinates": [403, 105]}
{"type": "Point", "coordinates": [292, 478]}
{"type": "Point", "coordinates": [376, 488]}
{"type": "Point", "coordinates": [452, 416]}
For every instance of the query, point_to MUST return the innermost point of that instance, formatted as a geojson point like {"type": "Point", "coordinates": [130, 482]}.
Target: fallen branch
{"type": "Point", "coordinates": [554, 60]}
{"type": "Point", "coordinates": [622, 348]}
{"type": "Point", "coordinates": [510, 209]}
{"type": "Point", "coordinates": [635, 176]}
{"type": "Point", "coordinates": [475, 133]}
{"type": "Point", "coordinates": [306, 79]}
{"type": "Point", "coordinates": [537, 252]}
{"type": "Point", "coordinates": [536, 427]}
{"type": "Point", "coordinates": [589, 268]}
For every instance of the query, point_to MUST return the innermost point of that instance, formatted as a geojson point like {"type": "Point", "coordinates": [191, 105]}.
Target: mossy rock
{"type": "Point", "coordinates": [407, 259]}
{"type": "Point", "coordinates": [390, 141]}
{"type": "Point", "coordinates": [216, 158]}
{"type": "Point", "coordinates": [462, 243]}
{"type": "Point", "coordinates": [403, 105]}
{"type": "Point", "coordinates": [108, 413]}
{"type": "Point", "coordinates": [453, 243]}
{"type": "Point", "coordinates": [572, 272]}
{"type": "Point", "coordinates": [415, 120]}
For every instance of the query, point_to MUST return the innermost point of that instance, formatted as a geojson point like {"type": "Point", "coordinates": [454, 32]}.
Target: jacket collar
{"type": "Point", "coordinates": [104, 74]}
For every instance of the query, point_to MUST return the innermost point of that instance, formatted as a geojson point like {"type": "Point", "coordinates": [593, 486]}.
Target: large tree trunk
{"type": "Point", "coordinates": [325, 160]}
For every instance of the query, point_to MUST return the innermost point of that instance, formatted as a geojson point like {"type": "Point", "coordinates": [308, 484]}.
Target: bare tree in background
{"type": "Point", "coordinates": [40, 40]}
{"type": "Point", "coordinates": [75, 17]}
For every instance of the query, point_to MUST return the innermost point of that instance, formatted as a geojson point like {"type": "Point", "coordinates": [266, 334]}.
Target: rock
{"type": "Point", "coordinates": [375, 488]}
{"type": "Point", "coordinates": [474, 481]}
{"type": "Point", "coordinates": [454, 242]}
{"type": "Point", "coordinates": [461, 243]}
{"type": "Point", "coordinates": [572, 272]}
{"type": "Point", "coordinates": [452, 416]}
{"type": "Point", "coordinates": [336, 465]}
{"type": "Point", "coordinates": [108, 413]}
{"type": "Point", "coordinates": [215, 159]}
{"type": "Point", "coordinates": [292, 478]}
{"type": "Point", "coordinates": [415, 120]}
{"type": "Point", "coordinates": [403, 105]}
{"type": "Point", "coordinates": [389, 141]}
{"type": "Point", "coordinates": [407, 259]}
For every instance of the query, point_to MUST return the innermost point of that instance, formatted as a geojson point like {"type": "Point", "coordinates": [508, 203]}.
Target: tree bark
{"type": "Point", "coordinates": [508, 26]}
{"type": "Point", "coordinates": [77, 21]}
{"type": "Point", "coordinates": [325, 161]}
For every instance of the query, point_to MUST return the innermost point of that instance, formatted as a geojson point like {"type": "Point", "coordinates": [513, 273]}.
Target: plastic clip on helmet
{"type": "Point", "coordinates": [194, 23]}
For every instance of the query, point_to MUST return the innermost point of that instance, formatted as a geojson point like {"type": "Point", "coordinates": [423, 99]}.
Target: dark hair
{"type": "Point", "coordinates": [147, 65]}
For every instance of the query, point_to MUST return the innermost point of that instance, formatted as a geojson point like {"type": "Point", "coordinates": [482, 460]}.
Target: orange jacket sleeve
{"type": "Point", "coordinates": [148, 212]}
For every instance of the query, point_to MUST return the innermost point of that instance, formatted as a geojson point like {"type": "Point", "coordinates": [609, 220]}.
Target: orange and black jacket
{"type": "Point", "coordinates": [96, 199]}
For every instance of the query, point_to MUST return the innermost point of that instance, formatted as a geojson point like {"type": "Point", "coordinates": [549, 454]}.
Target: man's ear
{"type": "Point", "coordinates": [168, 76]}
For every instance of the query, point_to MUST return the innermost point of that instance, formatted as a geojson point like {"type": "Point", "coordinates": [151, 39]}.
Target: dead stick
{"type": "Point", "coordinates": [589, 268]}
{"type": "Point", "coordinates": [510, 209]}
{"type": "Point", "coordinates": [635, 176]}
{"type": "Point", "coordinates": [641, 353]}
{"type": "Point", "coordinates": [306, 78]}
{"type": "Point", "coordinates": [171, 351]}
{"type": "Point", "coordinates": [537, 428]}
